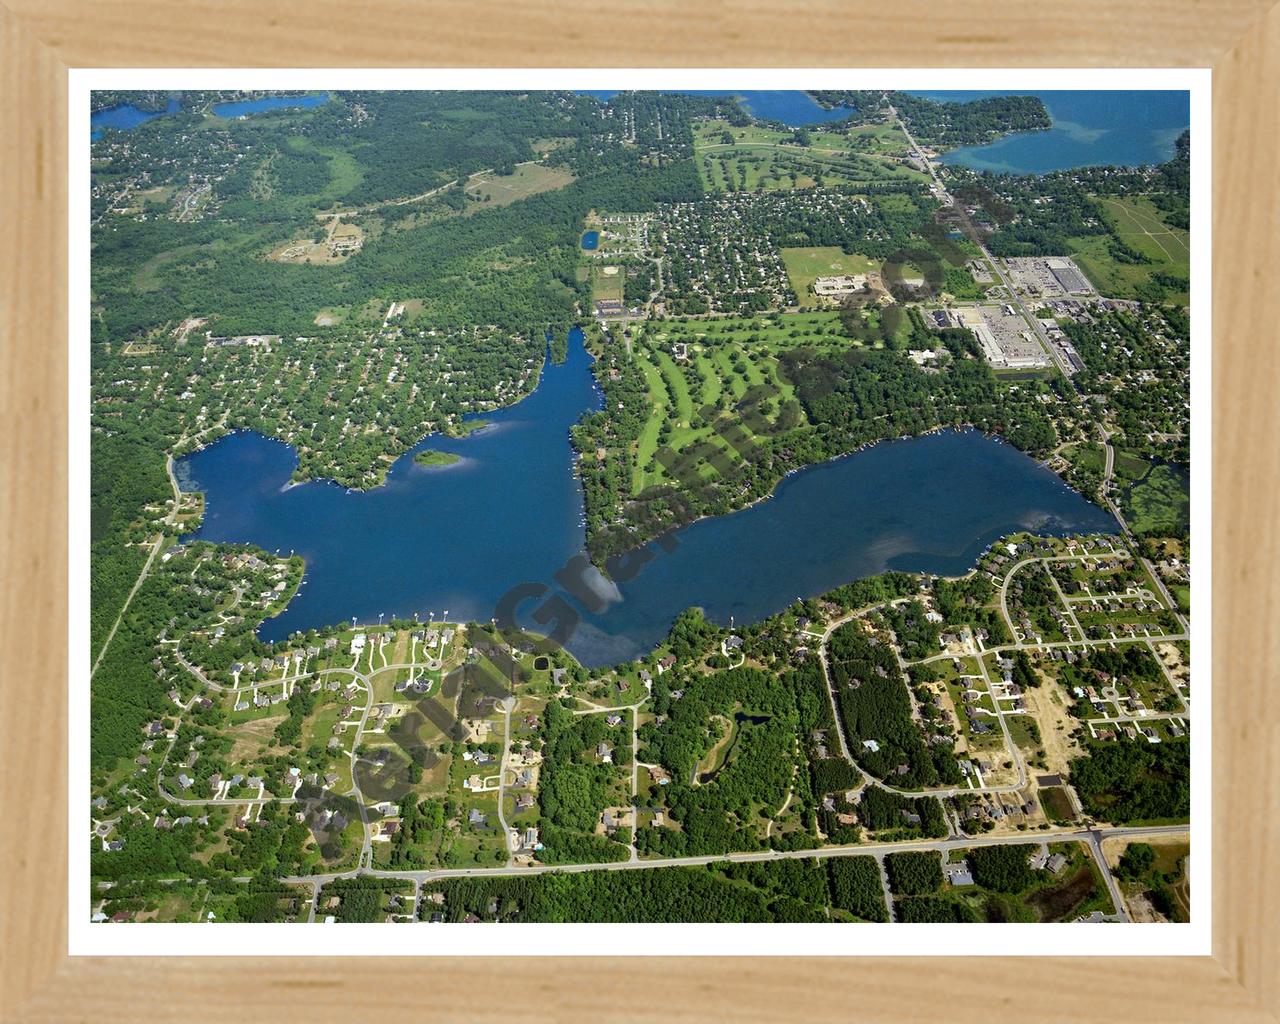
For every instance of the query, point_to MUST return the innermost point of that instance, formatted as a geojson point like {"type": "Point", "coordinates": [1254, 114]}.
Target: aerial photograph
{"type": "Point", "coordinates": [637, 506]}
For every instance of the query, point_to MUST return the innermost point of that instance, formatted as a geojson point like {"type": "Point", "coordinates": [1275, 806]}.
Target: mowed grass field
{"type": "Point", "coordinates": [875, 139]}
{"type": "Point", "coordinates": [1141, 226]}
{"type": "Point", "coordinates": [529, 179]}
{"type": "Point", "coordinates": [760, 158]}
{"type": "Point", "coordinates": [605, 285]}
{"type": "Point", "coordinates": [727, 359]}
{"type": "Point", "coordinates": [804, 266]}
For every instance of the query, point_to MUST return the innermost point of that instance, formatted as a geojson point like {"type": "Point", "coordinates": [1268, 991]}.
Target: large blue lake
{"type": "Point", "coordinates": [1123, 128]}
{"type": "Point", "coordinates": [457, 538]}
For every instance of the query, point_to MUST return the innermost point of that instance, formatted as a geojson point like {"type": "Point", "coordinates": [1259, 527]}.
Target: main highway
{"type": "Point", "coordinates": [1094, 837]}
{"type": "Point", "coordinates": [1058, 358]}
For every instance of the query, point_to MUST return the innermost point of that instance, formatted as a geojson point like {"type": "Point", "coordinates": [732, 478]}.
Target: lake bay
{"type": "Point", "coordinates": [1123, 128]}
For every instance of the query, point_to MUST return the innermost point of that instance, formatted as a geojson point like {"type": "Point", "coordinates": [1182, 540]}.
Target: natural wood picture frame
{"type": "Point", "coordinates": [41, 39]}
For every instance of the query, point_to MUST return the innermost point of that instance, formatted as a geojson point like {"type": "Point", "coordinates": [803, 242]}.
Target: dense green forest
{"type": "Point", "coordinates": [718, 814]}
{"type": "Point", "coordinates": [1132, 781]}
{"type": "Point", "coordinates": [574, 788]}
{"type": "Point", "coordinates": [877, 715]}
{"type": "Point", "coordinates": [788, 890]}
{"type": "Point", "coordinates": [914, 873]}
{"type": "Point", "coordinates": [123, 479]}
{"type": "Point", "coordinates": [513, 266]}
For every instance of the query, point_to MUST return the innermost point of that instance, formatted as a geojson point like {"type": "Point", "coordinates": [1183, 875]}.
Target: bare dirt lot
{"type": "Point", "coordinates": [252, 737]}
{"type": "Point", "coordinates": [339, 243]}
{"type": "Point", "coordinates": [1050, 712]}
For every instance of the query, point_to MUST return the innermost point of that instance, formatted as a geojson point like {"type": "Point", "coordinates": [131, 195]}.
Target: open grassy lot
{"type": "Point", "coordinates": [1130, 466]}
{"type": "Point", "coordinates": [607, 282]}
{"type": "Point", "coordinates": [1141, 226]}
{"type": "Point", "coordinates": [1025, 732]}
{"type": "Point", "coordinates": [344, 170]}
{"type": "Point", "coordinates": [1086, 456]}
{"type": "Point", "coordinates": [1057, 804]}
{"type": "Point", "coordinates": [1163, 889]}
{"type": "Point", "coordinates": [804, 266]}
{"type": "Point", "coordinates": [529, 179]}
{"type": "Point", "coordinates": [881, 139]}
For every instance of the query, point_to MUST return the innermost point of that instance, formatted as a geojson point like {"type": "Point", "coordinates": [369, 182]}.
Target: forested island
{"type": "Point", "coordinates": [430, 457]}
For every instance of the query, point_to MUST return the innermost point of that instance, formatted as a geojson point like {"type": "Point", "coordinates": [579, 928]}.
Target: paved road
{"type": "Point", "coordinates": [1050, 645]}
{"type": "Point", "coordinates": [1082, 834]}
{"type": "Point", "coordinates": [871, 780]}
{"type": "Point", "coordinates": [508, 705]}
{"type": "Point", "coordinates": [884, 885]}
{"type": "Point", "coordinates": [635, 778]}
{"type": "Point", "coordinates": [365, 679]}
{"type": "Point", "coordinates": [1094, 843]}
{"type": "Point", "coordinates": [1014, 753]}
{"type": "Point", "coordinates": [1004, 586]}
{"type": "Point", "coordinates": [1107, 473]}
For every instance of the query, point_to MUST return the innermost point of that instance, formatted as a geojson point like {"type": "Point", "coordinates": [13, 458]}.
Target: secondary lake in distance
{"type": "Point", "coordinates": [244, 107]}
{"type": "Point", "coordinates": [126, 116]}
{"type": "Point", "coordinates": [1122, 128]}
{"type": "Point", "coordinates": [790, 106]}
{"type": "Point", "coordinates": [459, 537]}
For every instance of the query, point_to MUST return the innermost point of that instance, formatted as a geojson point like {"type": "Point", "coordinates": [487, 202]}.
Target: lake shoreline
{"type": "Point", "coordinates": [961, 428]}
{"type": "Point", "coordinates": [515, 521]}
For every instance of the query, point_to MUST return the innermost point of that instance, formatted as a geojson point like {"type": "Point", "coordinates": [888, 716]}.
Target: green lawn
{"type": "Point", "coordinates": [726, 358]}
{"type": "Point", "coordinates": [659, 400]}
{"type": "Point", "coordinates": [1086, 456]}
{"type": "Point", "coordinates": [677, 386]}
{"type": "Point", "coordinates": [607, 286]}
{"type": "Point", "coordinates": [712, 385]}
